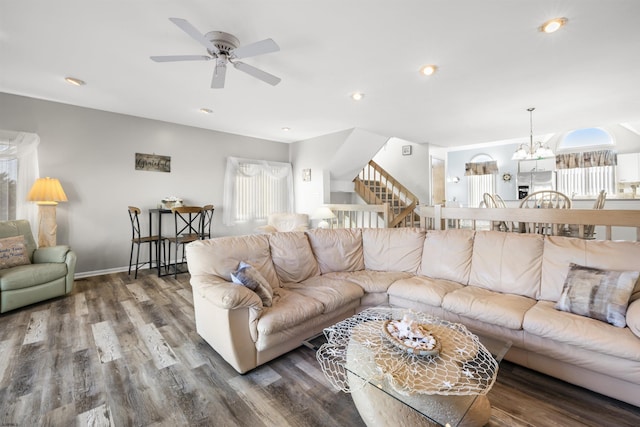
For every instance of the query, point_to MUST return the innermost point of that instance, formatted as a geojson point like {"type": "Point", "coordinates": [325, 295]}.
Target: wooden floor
{"type": "Point", "coordinates": [124, 352]}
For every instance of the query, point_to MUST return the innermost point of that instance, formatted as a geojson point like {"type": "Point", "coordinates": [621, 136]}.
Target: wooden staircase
{"type": "Point", "coordinates": [376, 186]}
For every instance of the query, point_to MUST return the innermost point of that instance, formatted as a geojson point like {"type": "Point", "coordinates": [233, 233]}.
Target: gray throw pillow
{"type": "Point", "coordinates": [246, 275]}
{"type": "Point", "coordinates": [599, 294]}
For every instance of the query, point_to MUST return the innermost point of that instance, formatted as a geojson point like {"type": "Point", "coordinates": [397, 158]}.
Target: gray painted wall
{"type": "Point", "coordinates": [92, 153]}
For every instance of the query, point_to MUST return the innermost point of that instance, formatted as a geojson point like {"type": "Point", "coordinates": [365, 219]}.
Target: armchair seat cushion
{"type": "Point", "coordinates": [26, 276]}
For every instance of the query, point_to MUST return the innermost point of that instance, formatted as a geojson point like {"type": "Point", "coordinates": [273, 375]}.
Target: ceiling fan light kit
{"type": "Point", "coordinates": [224, 48]}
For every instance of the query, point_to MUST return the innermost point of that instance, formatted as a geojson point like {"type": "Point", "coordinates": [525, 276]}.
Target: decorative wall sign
{"type": "Point", "coordinates": [306, 175]}
{"type": "Point", "coordinates": [153, 162]}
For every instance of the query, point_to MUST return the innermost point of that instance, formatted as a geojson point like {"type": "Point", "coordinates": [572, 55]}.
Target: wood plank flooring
{"type": "Point", "coordinates": [124, 352]}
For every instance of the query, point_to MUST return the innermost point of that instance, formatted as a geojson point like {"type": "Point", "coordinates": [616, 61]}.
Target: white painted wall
{"type": "Point", "coordinates": [92, 153]}
{"type": "Point", "coordinates": [413, 171]}
{"type": "Point", "coordinates": [314, 154]}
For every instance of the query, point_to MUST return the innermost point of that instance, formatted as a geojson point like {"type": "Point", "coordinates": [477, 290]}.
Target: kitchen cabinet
{"type": "Point", "coordinates": [536, 165]}
{"type": "Point", "coordinates": [628, 169]}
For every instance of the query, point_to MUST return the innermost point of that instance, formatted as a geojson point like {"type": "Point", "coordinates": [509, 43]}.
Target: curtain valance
{"type": "Point", "coordinates": [481, 168]}
{"type": "Point", "coordinates": [587, 159]}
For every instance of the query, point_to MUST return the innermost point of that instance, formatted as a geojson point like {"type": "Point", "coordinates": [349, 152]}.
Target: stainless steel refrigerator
{"type": "Point", "coordinates": [530, 182]}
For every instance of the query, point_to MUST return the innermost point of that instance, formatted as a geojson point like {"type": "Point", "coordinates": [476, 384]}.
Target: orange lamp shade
{"type": "Point", "coordinates": [47, 190]}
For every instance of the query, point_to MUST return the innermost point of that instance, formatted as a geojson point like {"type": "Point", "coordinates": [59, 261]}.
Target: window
{"type": "Point", "coordinates": [477, 185]}
{"type": "Point", "coordinates": [585, 138]}
{"type": "Point", "coordinates": [8, 180]}
{"type": "Point", "coordinates": [581, 171]}
{"type": "Point", "coordinates": [480, 173]}
{"type": "Point", "coordinates": [18, 171]}
{"type": "Point", "coordinates": [586, 174]}
{"type": "Point", "coordinates": [253, 189]}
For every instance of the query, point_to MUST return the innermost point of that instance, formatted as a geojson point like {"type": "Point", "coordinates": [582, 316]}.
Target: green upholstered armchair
{"type": "Point", "coordinates": [49, 273]}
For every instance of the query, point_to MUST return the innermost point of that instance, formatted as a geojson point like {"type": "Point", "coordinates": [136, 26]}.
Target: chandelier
{"type": "Point", "coordinates": [533, 150]}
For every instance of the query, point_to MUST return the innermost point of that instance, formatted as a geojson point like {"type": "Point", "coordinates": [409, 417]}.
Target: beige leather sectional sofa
{"type": "Point", "coordinates": [500, 284]}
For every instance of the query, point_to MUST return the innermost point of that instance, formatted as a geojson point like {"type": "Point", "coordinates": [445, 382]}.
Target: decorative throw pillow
{"type": "Point", "coordinates": [13, 252]}
{"type": "Point", "coordinates": [249, 277]}
{"type": "Point", "coordinates": [599, 294]}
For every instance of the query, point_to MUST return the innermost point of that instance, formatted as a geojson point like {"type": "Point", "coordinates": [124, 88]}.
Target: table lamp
{"type": "Point", "coordinates": [47, 192]}
{"type": "Point", "coordinates": [323, 213]}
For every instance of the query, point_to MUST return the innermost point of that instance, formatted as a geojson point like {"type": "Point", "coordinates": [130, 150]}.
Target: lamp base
{"type": "Point", "coordinates": [47, 226]}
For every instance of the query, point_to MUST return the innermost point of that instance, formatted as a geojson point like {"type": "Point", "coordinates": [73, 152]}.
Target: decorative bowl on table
{"type": "Point", "coordinates": [411, 336]}
{"type": "Point", "coordinates": [171, 202]}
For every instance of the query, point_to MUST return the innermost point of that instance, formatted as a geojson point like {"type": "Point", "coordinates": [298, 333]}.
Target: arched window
{"type": "Point", "coordinates": [585, 163]}
{"type": "Point", "coordinates": [587, 138]}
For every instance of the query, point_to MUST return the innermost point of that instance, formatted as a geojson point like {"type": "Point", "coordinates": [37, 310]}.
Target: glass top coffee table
{"type": "Point", "coordinates": [389, 385]}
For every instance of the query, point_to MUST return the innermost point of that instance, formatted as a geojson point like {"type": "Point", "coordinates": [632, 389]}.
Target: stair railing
{"type": "Point", "coordinates": [376, 186]}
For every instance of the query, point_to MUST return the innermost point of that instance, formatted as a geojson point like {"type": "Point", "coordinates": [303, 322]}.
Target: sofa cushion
{"type": "Point", "coordinates": [222, 255]}
{"type": "Point", "coordinates": [372, 281]}
{"type": "Point", "coordinates": [337, 250]}
{"type": "Point", "coordinates": [507, 262]}
{"type": "Point", "coordinates": [447, 255]}
{"type": "Point", "coordinates": [423, 289]}
{"type": "Point", "coordinates": [251, 278]}
{"type": "Point", "coordinates": [545, 321]}
{"type": "Point", "coordinates": [288, 310]}
{"type": "Point", "coordinates": [560, 252]}
{"type": "Point", "coordinates": [292, 256]}
{"type": "Point", "coordinates": [505, 310]}
{"type": "Point", "coordinates": [392, 249]}
{"type": "Point", "coordinates": [332, 293]}
{"type": "Point", "coordinates": [599, 294]}
{"type": "Point", "coordinates": [26, 276]}
{"type": "Point", "coordinates": [13, 252]}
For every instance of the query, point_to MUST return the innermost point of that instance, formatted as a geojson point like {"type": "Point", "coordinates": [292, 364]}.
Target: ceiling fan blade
{"type": "Point", "coordinates": [257, 73]}
{"type": "Point", "coordinates": [195, 34]}
{"type": "Point", "coordinates": [173, 58]}
{"type": "Point", "coordinates": [219, 74]}
{"type": "Point", "coordinates": [254, 49]}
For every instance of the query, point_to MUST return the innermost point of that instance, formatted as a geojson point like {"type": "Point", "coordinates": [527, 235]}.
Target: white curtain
{"type": "Point", "coordinates": [587, 181]}
{"type": "Point", "coordinates": [255, 188]}
{"type": "Point", "coordinates": [477, 185]}
{"type": "Point", "coordinates": [22, 146]}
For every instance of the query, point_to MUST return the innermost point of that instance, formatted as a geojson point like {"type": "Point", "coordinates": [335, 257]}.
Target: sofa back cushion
{"type": "Point", "coordinates": [221, 256]}
{"type": "Point", "coordinates": [392, 249]}
{"type": "Point", "coordinates": [447, 255]}
{"type": "Point", "coordinates": [337, 250]}
{"type": "Point", "coordinates": [507, 262]}
{"type": "Point", "coordinates": [560, 252]}
{"type": "Point", "coordinates": [292, 256]}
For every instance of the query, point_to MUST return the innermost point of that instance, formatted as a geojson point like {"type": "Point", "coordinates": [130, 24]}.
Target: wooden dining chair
{"type": "Point", "coordinates": [545, 199]}
{"type": "Point", "coordinates": [188, 227]}
{"type": "Point", "coordinates": [138, 239]}
{"type": "Point", "coordinates": [589, 231]}
{"type": "Point", "coordinates": [208, 220]}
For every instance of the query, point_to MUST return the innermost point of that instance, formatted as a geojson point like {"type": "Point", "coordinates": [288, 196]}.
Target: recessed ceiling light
{"type": "Point", "coordinates": [206, 111]}
{"type": "Point", "coordinates": [74, 81]}
{"type": "Point", "coordinates": [286, 129]}
{"type": "Point", "coordinates": [428, 70]}
{"type": "Point", "coordinates": [357, 96]}
{"type": "Point", "coordinates": [553, 25]}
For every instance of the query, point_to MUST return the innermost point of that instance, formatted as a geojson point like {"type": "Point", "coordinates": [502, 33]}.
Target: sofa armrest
{"type": "Point", "coordinates": [633, 317]}
{"type": "Point", "coordinates": [224, 294]}
{"type": "Point", "coordinates": [51, 254]}
{"type": "Point", "coordinates": [58, 254]}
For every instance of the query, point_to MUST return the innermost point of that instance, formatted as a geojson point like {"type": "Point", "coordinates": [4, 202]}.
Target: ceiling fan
{"type": "Point", "coordinates": [224, 49]}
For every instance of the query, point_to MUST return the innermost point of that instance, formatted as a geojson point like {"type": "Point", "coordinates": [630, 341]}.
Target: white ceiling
{"type": "Point", "coordinates": [493, 61]}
